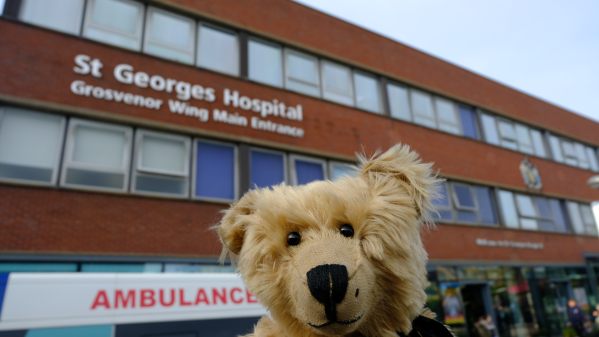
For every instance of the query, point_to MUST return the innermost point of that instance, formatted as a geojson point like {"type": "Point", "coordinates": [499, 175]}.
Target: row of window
{"type": "Point", "coordinates": [84, 154]}
{"type": "Point", "coordinates": [129, 24]}
{"type": "Point", "coordinates": [519, 137]}
{"type": "Point", "coordinates": [118, 158]}
{"type": "Point", "coordinates": [466, 203]}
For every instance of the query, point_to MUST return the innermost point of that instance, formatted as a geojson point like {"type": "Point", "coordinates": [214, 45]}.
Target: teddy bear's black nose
{"type": "Point", "coordinates": [328, 284]}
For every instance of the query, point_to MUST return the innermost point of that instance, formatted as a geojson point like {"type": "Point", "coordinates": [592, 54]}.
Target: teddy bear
{"type": "Point", "coordinates": [339, 258]}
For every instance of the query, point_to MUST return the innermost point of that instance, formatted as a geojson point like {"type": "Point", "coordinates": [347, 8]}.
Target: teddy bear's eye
{"type": "Point", "coordinates": [294, 238]}
{"type": "Point", "coordinates": [346, 230]}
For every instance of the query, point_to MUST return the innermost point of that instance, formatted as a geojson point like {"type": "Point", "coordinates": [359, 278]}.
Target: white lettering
{"type": "Point", "coordinates": [122, 73]}
{"type": "Point", "coordinates": [266, 125]}
{"type": "Point", "coordinates": [224, 116]}
{"type": "Point", "coordinates": [80, 88]}
{"type": "Point", "coordinates": [262, 107]}
{"type": "Point", "coordinates": [85, 65]}
{"type": "Point", "coordinates": [182, 108]}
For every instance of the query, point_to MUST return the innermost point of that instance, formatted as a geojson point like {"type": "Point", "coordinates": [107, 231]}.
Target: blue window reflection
{"type": "Point", "coordinates": [266, 168]}
{"type": "Point", "coordinates": [469, 122]}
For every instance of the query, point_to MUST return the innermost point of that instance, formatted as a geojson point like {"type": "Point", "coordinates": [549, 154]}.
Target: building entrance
{"type": "Point", "coordinates": [477, 303]}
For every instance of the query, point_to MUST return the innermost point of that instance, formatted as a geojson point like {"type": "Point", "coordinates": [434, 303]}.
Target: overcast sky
{"type": "Point", "coordinates": [549, 49]}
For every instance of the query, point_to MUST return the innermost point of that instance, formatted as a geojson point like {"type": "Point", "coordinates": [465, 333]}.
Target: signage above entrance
{"type": "Point", "coordinates": [509, 244]}
{"type": "Point", "coordinates": [188, 99]}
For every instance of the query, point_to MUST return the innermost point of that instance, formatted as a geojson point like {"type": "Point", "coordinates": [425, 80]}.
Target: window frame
{"type": "Point", "coordinates": [56, 170]}
{"type": "Point", "coordinates": [323, 93]}
{"type": "Point", "coordinates": [503, 139]}
{"type": "Point", "coordinates": [450, 208]}
{"type": "Point", "coordinates": [272, 151]}
{"type": "Point", "coordinates": [388, 95]}
{"type": "Point", "coordinates": [501, 208]}
{"type": "Point", "coordinates": [146, 37]}
{"type": "Point", "coordinates": [281, 52]}
{"type": "Point", "coordinates": [293, 170]}
{"type": "Point", "coordinates": [139, 133]}
{"type": "Point", "coordinates": [137, 160]}
{"type": "Point", "coordinates": [198, 37]}
{"type": "Point", "coordinates": [569, 158]}
{"type": "Point", "coordinates": [20, 16]}
{"type": "Point", "coordinates": [69, 147]}
{"type": "Point", "coordinates": [593, 160]}
{"type": "Point", "coordinates": [521, 145]}
{"type": "Point", "coordinates": [88, 21]}
{"type": "Point", "coordinates": [456, 200]}
{"type": "Point", "coordinates": [379, 93]}
{"type": "Point", "coordinates": [287, 78]}
{"type": "Point", "coordinates": [415, 116]}
{"type": "Point", "coordinates": [236, 170]}
{"type": "Point", "coordinates": [456, 114]}
{"type": "Point", "coordinates": [537, 217]}
{"type": "Point", "coordinates": [332, 163]}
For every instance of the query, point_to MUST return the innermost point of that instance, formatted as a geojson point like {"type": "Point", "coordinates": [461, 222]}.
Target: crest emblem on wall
{"type": "Point", "coordinates": [530, 174]}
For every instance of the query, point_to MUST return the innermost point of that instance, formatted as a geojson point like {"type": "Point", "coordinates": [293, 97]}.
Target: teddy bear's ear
{"type": "Point", "coordinates": [233, 225]}
{"type": "Point", "coordinates": [400, 165]}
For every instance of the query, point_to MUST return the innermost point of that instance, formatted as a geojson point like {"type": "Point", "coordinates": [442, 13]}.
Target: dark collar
{"type": "Point", "coordinates": [427, 327]}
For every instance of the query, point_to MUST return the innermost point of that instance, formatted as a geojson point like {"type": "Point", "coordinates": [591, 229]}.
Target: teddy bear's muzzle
{"type": "Point", "coordinates": [328, 285]}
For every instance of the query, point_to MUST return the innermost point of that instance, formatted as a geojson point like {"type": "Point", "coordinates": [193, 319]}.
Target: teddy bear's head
{"type": "Point", "coordinates": [331, 258]}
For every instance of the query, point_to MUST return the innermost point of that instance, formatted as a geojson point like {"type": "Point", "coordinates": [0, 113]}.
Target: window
{"type": "Point", "coordinates": [489, 129]}
{"type": "Point", "coordinates": [552, 211]}
{"type": "Point", "coordinates": [368, 93]}
{"type": "Point", "coordinates": [117, 22]}
{"type": "Point", "coordinates": [215, 171]}
{"type": "Point", "coordinates": [468, 119]}
{"type": "Point", "coordinates": [527, 212]}
{"type": "Point", "coordinates": [486, 205]}
{"type": "Point", "coordinates": [422, 108]}
{"type": "Point", "coordinates": [581, 218]}
{"type": "Point", "coordinates": [465, 203]}
{"type": "Point", "coordinates": [442, 204]}
{"type": "Point", "coordinates": [507, 134]}
{"type": "Point", "coordinates": [583, 161]}
{"type": "Point", "coordinates": [556, 150]}
{"type": "Point", "coordinates": [523, 139]}
{"type": "Point", "coordinates": [399, 103]}
{"type": "Point", "coordinates": [569, 152]}
{"type": "Point", "coordinates": [337, 83]}
{"type": "Point", "coordinates": [338, 170]}
{"type": "Point", "coordinates": [538, 143]}
{"type": "Point", "coordinates": [573, 153]}
{"type": "Point", "coordinates": [531, 212]}
{"type": "Point", "coordinates": [22, 156]}
{"type": "Point", "coordinates": [463, 197]}
{"type": "Point", "coordinates": [267, 168]}
{"type": "Point", "coordinates": [97, 156]}
{"type": "Point", "coordinates": [169, 35]}
{"type": "Point", "coordinates": [305, 170]}
{"type": "Point", "coordinates": [592, 158]}
{"type": "Point", "coordinates": [161, 164]}
{"type": "Point", "coordinates": [507, 208]}
{"type": "Point", "coordinates": [447, 117]}
{"type": "Point", "coordinates": [588, 219]}
{"type": "Point", "coordinates": [301, 73]}
{"type": "Point", "coordinates": [218, 50]}
{"type": "Point", "coordinates": [61, 15]}
{"type": "Point", "coordinates": [265, 62]}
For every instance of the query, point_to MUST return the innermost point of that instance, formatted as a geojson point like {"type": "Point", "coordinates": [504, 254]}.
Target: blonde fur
{"type": "Point", "coordinates": [386, 204]}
